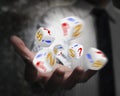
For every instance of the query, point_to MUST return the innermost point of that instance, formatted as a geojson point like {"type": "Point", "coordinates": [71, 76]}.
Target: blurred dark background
{"type": "Point", "coordinates": [19, 17]}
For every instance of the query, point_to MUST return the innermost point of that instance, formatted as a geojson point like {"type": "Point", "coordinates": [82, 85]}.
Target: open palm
{"type": "Point", "coordinates": [60, 77]}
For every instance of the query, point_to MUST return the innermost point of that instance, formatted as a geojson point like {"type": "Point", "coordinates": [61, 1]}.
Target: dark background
{"type": "Point", "coordinates": [19, 17]}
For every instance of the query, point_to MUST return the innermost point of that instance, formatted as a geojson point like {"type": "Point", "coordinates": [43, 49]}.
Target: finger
{"type": "Point", "coordinates": [44, 77]}
{"type": "Point", "coordinates": [30, 73]}
{"type": "Point", "coordinates": [21, 48]}
{"type": "Point", "coordinates": [87, 75]}
{"type": "Point", "coordinates": [74, 78]}
{"type": "Point", "coordinates": [63, 67]}
{"type": "Point", "coordinates": [55, 80]}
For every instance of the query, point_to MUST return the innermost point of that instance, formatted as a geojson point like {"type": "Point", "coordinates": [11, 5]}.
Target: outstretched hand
{"type": "Point", "coordinates": [60, 77]}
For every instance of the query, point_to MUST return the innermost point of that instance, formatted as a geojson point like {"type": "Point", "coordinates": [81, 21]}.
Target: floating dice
{"type": "Point", "coordinates": [75, 50]}
{"type": "Point", "coordinates": [62, 50]}
{"type": "Point", "coordinates": [44, 37]}
{"type": "Point", "coordinates": [72, 27]}
{"type": "Point", "coordinates": [96, 59]}
{"type": "Point", "coordinates": [44, 60]}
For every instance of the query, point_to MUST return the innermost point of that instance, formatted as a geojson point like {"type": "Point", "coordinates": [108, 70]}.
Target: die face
{"type": "Point", "coordinates": [40, 62]}
{"type": "Point", "coordinates": [76, 50]}
{"type": "Point", "coordinates": [71, 53]}
{"type": "Point", "coordinates": [77, 25]}
{"type": "Point", "coordinates": [64, 60]}
{"type": "Point", "coordinates": [47, 31]}
{"type": "Point", "coordinates": [67, 29]}
{"type": "Point", "coordinates": [79, 50]}
{"type": "Point", "coordinates": [60, 54]}
{"type": "Point", "coordinates": [44, 37]}
{"type": "Point", "coordinates": [100, 54]}
{"type": "Point", "coordinates": [72, 27]}
{"type": "Point", "coordinates": [97, 54]}
{"type": "Point", "coordinates": [46, 41]}
{"type": "Point", "coordinates": [77, 30]}
{"type": "Point", "coordinates": [38, 36]}
{"type": "Point", "coordinates": [96, 59]}
{"type": "Point", "coordinates": [50, 59]}
{"type": "Point", "coordinates": [58, 49]}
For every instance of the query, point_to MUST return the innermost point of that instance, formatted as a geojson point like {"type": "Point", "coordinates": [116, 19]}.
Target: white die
{"type": "Point", "coordinates": [72, 27]}
{"type": "Point", "coordinates": [58, 49]}
{"type": "Point", "coordinates": [44, 37]}
{"type": "Point", "coordinates": [65, 61]}
{"type": "Point", "coordinates": [75, 50]}
{"type": "Point", "coordinates": [44, 60]}
{"type": "Point", "coordinates": [96, 59]}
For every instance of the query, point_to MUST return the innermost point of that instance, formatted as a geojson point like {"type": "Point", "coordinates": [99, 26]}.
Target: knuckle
{"type": "Point", "coordinates": [59, 72]}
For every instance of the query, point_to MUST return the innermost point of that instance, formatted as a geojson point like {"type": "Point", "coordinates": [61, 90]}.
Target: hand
{"type": "Point", "coordinates": [60, 77]}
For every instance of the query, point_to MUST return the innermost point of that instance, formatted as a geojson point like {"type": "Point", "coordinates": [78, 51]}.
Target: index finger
{"type": "Point", "coordinates": [21, 48]}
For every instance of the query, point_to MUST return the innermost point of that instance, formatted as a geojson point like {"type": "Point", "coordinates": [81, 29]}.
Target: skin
{"type": "Point", "coordinates": [60, 77]}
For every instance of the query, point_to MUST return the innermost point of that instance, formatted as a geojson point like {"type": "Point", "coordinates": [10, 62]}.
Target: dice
{"type": "Point", "coordinates": [64, 60]}
{"type": "Point", "coordinates": [95, 59]}
{"type": "Point", "coordinates": [44, 61]}
{"type": "Point", "coordinates": [71, 27]}
{"type": "Point", "coordinates": [44, 37]}
{"type": "Point", "coordinates": [58, 49]}
{"type": "Point", "coordinates": [75, 50]}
